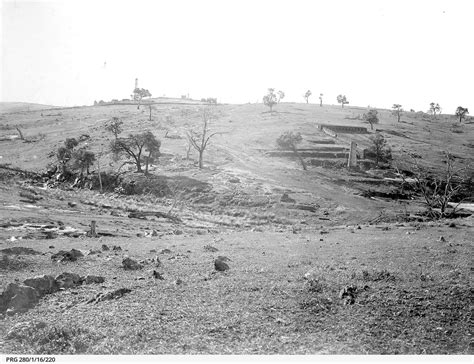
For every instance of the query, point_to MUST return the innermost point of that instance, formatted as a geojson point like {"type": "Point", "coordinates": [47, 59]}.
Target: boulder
{"type": "Point", "coordinates": [93, 279]}
{"type": "Point", "coordinates": [110, 295]}
{"type": "Point", "coordinates": [105, 247]}
{"type": "Point", "coordinates": [67, 256]}
{"type": "Point", "coordinates": [130, 264]}
{"type": "Point", "coordinates": [117, 248]}
{"type": "Point", "coordinates": [220, 266]}
{"type": "Point", "coordinates": [68, 280]}
{"type": "Point", "coordinates": [43, 284]}
{"type": "Point", "coordinates": [286, 198]}
{"type": "Point", "coordinates": [18, 298]}
{"type": "Point", "coordinates": [158, 275]}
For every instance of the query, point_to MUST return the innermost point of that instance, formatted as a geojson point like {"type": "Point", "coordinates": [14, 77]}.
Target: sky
{"type": "Point", "coordinates": [377, 53]}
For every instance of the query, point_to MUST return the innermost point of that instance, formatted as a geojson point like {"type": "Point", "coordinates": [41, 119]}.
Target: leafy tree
{"type": "Point", "coordinates": [321, 100]}
{"type": "Point", "coordinates": [461, 113]}
{"type": "Point", "coordinates": [134, 145]}
{"type": "Point", "coordinates": [289, 141]}
{"type": "Point", "coordinates": [200, 140]}
{"type": "Point", "coordinates": [307, 95]}
{"type": "Point", "coordinates": [83, 159]}
{"type": "Point", "coordinates": [114, 126]}
{"type": "Point", "coordinates": [341, 99]}
{"type": "Point", "coordinates": [372, 118]}
{"type": "Point", "coordinates": [434, 108]}
{"type": "Point", "coordinates": [397, 111]}
{"type": "Point", "coordinates": [270, 99]}
{"type": "Point", "coordinates": [152, 146]}
{"type": "Point", "coordinates": [139, 94]}
{"type": "Point", "coordinates": [379, 149]}
{"type": "Point", "coordinates": [281, 95]}
{"type": "Point", "coordinates": [65, 153]}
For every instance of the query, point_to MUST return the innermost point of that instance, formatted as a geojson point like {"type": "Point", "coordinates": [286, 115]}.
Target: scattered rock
{"type": "Point", "coordinates": [220, 266]}
{"type": "Point", "coordinates": [178, 232]}
{"type": "Point", "coordinates": [67, 256]}
{"type": "Point", "coordinates": [156, 261]}
{"type": "Point", "coordinates": [286, 198]}
{"type": "Point", "coordinates": [92, 252]}
{"type": "Point", "coordinates": [158, 275]}
{"type": "Point", "coordinates": [452, 225]}
{"type": "Point", "coordinates": [43, 284]}
{"type": "Point", "coordinates": [165, 251]}
{"type": "Point", "coordinates": [358, 227]}
{"type": "Point", "coordinates": [152, 250]}
{"type": "Point", "coordinates": [68, 280]}
{"type": "Point", "coordinates": [442, 239]}
{"type": "Point", "coordinates": [94, 279]}
{"type": "Point", "coordinates": [210, 248]}
{"type": "Point", "coordinates": [178, 282]}
{"type": "Point", "coordinates": [72, 204]}
{"type": "Point", "coordinates": [348, 294]}
{"type": "Point", "coordinates": [18, 298]}
{"type": "Point", "coordinates": [117, 248]}
{"type": "Point", "coordinates": [323, 232]}
{"type": "Point", "coordinates": [234, 180]}
{"type": "Point", "coordinates": [105, 247]}
{"type": "Point", "coordinates": [51, 247]}
{"type": "Point", "coordinates": [110, 295]}
{"type": "Point", "coordinates": [130, 264]}
{"type": "Point", "coordinates": [23, 330]}
{"type": "Point", "coordinates": [225, 259]}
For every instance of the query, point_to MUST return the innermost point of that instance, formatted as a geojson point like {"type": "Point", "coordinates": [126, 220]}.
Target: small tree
{"type": "Point", "coordinates": [439, 190]}
{"type": "Point", "coordinates": [152, 146]}
{"type": "Point", "coordinates": [307, 95]}
{"type": "Point", "coordinates": [65, 153]}
{"type": "Point", "coordinates": [341, 99]}
{"type": "Point", "coordinates": [397, 111]}
{"type": "Point", "coordinates": [321, 100]}
{"type": "Point", "coordinates": [372, 118]}
{"type": "Point", "coordinates": [461, 113]}
{"type": "Point", "coordinates": [270, 99]}
{"type": "Point", "coordinates": [200, 140]}
{"type": "Point", "coordinates": [281, 96]}
{"type": "Point", "coordinates": [379, 149]}
{"type": "Point", "coordinates": [83, 159]}
{"type": "Point", "coordinates": [114, 126]}
{"type": "Point", "coordinates": [434, 108]}
{"type": "Point", "coordinates": [139, 94]}
{"type": "Point", "coordinates": [133, 147]}
{"type": "Point", "coordinates": [289, 141]}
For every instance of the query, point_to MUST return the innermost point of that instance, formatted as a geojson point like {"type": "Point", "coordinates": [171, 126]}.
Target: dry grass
{"type": "Point", "coordinates": [263, 304]}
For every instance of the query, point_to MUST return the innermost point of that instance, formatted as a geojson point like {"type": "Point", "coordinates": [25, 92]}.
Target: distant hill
{"type": "Point", "coordinates": [9, 107]}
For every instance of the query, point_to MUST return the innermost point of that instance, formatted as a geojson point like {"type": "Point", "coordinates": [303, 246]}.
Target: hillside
{"type": "Point", "coordinates": [15, 107]}
{"type": "Point", "coordinates": [312, 256]}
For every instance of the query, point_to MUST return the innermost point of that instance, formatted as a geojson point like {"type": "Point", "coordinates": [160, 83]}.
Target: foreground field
{"type": "Point", "coordinates": [412, 297]}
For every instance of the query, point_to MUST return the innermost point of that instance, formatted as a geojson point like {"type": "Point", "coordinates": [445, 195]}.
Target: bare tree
{"type": "Point", "coordinates": [321, 100]}
{"type": "Point", "coordinates": [439, 190]}
{"type": "Point", "coordinates": [307, 95]}
{"type": "Point", "coordinates": [200, 140]}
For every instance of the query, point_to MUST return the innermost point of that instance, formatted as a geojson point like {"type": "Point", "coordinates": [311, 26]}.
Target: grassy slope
{"type": "Point", "coordinates": [263, 304]}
